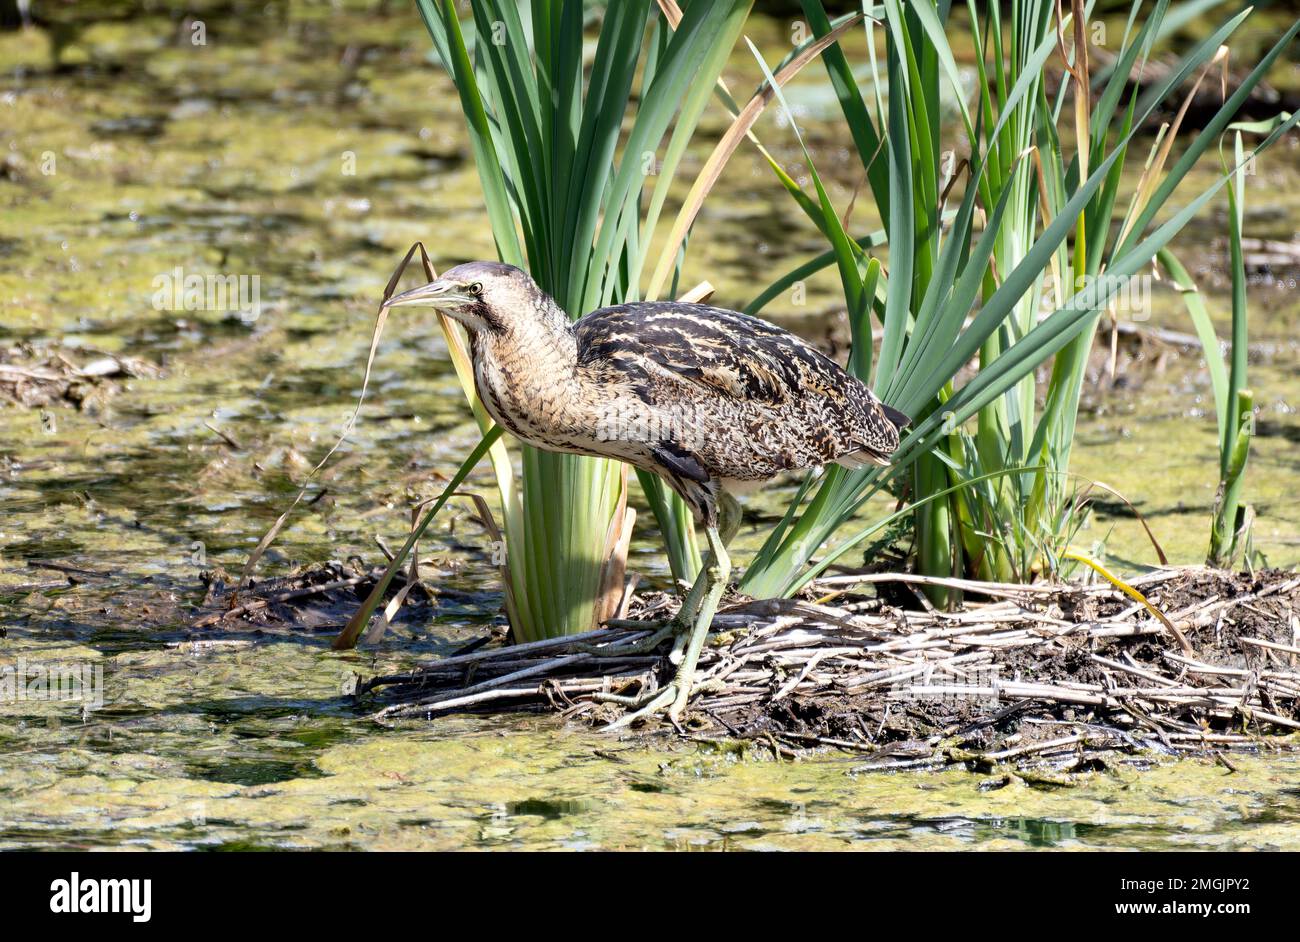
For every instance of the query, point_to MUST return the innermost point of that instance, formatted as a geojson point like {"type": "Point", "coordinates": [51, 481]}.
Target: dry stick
{"type": "Point", "coordinates": [1252, 713]}
{"type": "Point", "coordinates": [1214, 737]}
{"type": "Point", "coordinates": [998, 589]}
{"type": "Point", "coordinates": [899, 764]}
{"type": "Point", "coordinates": [1036, 747]}
{"type": "Point", "coordinates": [515, 650]}
{"type": "Point", "coordinates": [829, 741]}
{"type": "Point", "coordinates": [66, 569]}
{"type": "Point", "coordinates": [432, 684]}
{"type": "Point", "coordinates": [412, 709]}
{"type": "Point", "coordinates": [380, 318]}
{"type": "Point", "coordinates": [497, 682]}
{"type": "Point", "coordinates": [969, 585]}
{"type": "Point", "coordinates": [1272, 645]}
{"type": "Point", "coordinates": [224, 436]}
{"type": "Point", "coordinates": [1130, 669]}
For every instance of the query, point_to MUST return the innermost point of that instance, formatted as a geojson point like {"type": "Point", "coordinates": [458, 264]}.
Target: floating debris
{"type": "Point", "coordinates": [316, 598]}
{"type": "Point", "coordinates": [38, 376]}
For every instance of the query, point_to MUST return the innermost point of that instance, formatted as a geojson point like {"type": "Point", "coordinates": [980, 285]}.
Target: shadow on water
{"type": "Point", "coordinates": [254, 773]}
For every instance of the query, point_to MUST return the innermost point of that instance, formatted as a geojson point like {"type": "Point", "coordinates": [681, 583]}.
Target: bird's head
{"type": "Point", "coordinates": [484, 296]}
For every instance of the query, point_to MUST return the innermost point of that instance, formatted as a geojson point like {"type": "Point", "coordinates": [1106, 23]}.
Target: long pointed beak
{"type": "Point", "coordinates": [437, 294]}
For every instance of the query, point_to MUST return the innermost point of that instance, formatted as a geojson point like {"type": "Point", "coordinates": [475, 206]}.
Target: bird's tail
{"type": "Point", "coordinates": [878, 448]}
{"type": "Point", "coordinates": [900, 420]}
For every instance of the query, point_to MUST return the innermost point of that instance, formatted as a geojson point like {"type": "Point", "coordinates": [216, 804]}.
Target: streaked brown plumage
{"type": "Point", "coordinates": [708, 399]}
{"type": "Point", "coordinates": [754, 400]}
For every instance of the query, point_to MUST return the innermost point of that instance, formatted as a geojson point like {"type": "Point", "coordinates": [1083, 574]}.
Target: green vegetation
{"type": "Point", "coordinates": [1055, 230]}
{"type": "Point", "coordinates": [1230, 528]}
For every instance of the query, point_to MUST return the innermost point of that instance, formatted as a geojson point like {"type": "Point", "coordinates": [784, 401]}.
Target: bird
{"type": "Point", "coordinates": [713, 401]}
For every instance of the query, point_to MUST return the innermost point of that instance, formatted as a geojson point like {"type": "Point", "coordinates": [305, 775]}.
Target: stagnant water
{"type": "Point", "coordinates": [309, 145]}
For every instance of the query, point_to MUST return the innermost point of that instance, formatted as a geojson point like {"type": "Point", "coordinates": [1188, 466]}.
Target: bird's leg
{"type": "Point", "coordinates": [691, 623]}
{"type": "Point", "coordinates": [728, 517]}
{"type": "Point", "coordinates": [728, 525]}
{"type": "Point", "coordinates": [712, 582]}
{"type": "Point", "coordinates": [681, 624]}
{"type": "Point", "coordinates": [716, 573]}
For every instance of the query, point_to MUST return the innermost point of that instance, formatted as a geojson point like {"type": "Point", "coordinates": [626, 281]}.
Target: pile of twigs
{"type": "Point", "coordinates": [39, 376]}
{"type": "Point", "coordinates": [1043, 671]}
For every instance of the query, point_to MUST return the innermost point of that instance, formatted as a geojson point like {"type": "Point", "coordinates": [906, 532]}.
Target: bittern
{"type": "Point", "coordinates": [710, 400]}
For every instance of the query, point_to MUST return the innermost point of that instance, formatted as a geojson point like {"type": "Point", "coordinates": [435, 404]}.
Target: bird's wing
{"type": "Point", "coordinates": [788, 405]}
{"type": "Point", "coordinates": [741, 357]}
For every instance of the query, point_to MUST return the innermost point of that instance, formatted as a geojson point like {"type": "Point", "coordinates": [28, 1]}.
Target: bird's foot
{"type": "Point", "coordinates": [660, 631]}
{"type": "Point", "coordinates": [639, 706]}
{"type": "Point", "coordinates": [670, 700]}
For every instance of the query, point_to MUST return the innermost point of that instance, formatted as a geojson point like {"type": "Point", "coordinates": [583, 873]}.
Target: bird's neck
{"type": "Point", "coordinates": [527, 375]}
{"type": "Point", "coordinates": [543, 340]}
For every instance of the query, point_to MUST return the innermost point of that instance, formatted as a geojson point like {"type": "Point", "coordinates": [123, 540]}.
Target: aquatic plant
{"type": "Point", "coordinates": [991, 498]}
{"type": "Point", "coordinates": [1230, 528]}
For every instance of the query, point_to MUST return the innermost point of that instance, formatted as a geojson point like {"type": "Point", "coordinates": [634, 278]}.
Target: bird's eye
{"type": "Point", "coordinates": [476, 289]}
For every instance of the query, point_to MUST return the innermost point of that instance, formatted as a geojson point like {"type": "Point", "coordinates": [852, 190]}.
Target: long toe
{"type": "Point", "coordinates": [656, 704]}
{"type": "Point", "coordinates": [659, 632]}
{"type": "Point", "coordinates": [682, 698]}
